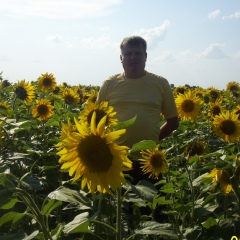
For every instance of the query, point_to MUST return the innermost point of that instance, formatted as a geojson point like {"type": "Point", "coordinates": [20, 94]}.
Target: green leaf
{"type": "Point", "coordinates": [7, 201]}
{"type": "Point", "coordinates": [57, 105]}
{"type": "Point", "coordinates": [122, 125]}
{"type": "Point", "coordinates": [210, 222]}
{"type": "Point", "coordinates": [145, 190]}
{"type": "Point", "coordinates": [50, 206]}
{"type": "Point", "coordinates": [11, 216]}
{"type": "Point", "coordinates": [143, 145]}
{"type": "Point", "coordinates": [155, 228]}
{"type": "Point", "coordinates": [79, 224]}
{"type": "Point", "coordinates": [68, 195]}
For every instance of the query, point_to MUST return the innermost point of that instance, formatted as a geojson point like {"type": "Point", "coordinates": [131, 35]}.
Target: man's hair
{"type": "Point", "coordinates": [134, 41]}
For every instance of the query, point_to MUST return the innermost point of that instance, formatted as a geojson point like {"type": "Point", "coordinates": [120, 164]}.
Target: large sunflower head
{"type": "Point", "coordinates": [188, 106]}
{"type": "Point", "coordinates": [25, 91]}
{"type": "Point", "coordinates": [102, 109]}
{"type": "Point", "coordinates": [223, 178]}
{"type": "Point", "coordinates": [70, 96]}
{"type": "Point", "coordinates": [90, 153]}
{"type": "Point", "coordinates": [43, 109]}
{"type": "Point", "coordinates": [47, 82]}
{"type": "Point", "coordinates": [154, 162]}
{"type": "Point", "coordinates": [227, 126]}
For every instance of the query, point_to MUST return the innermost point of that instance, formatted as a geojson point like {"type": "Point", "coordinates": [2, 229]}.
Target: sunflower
{"type": "Point", "coordinates": [154, 162]}
{"type": "Point", "coordinates": [233, 87]}
{"type": "Point", "coordinates": [227, 126]}
{"type": "Point", "coordinates": [188, 105]}
{"type": "Point", "coordinates": [215, 108]}
{"type": "Point", "coordinates": [90, 96]}
{"type": "Point", "coordinates": [237, 112]}
{"type": "Point", "coordinates": [92, 155]}
{"type": "Point", "coordinates": [25, 91]}
{"type": "Point", "coordinates": [180, 90]}
{"type": "Point", "coordinates": [213, 93]}
{"type": "Point", "coordinates": [223, 177]}
{"type": "Point", "coordinates": [70, 97]}
{"type": "Point", "coordinates": [195, 148]}
{"type": "Point", "coordinates": [5, 83]}
{"type": "Point", "coordinates": [43, 109]}
{"type": "Point", "coordinates": [47, 82]}
{"type": "Point", "coordinates": [102, 109]}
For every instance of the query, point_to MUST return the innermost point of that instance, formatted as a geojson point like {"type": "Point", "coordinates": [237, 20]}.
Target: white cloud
{"type": "Point", "coordinates": [214, 51]}
{"type": "Point", "coordinates": [214, 14]}
{"type": "Point", "coordinates": [164, 57]}
{"type": "Point", "coordinates": [4, 58]}
{"type": "Point", "coordinates": [154, 35]}
{"type": "Point", "coordinates": [237, 54]}
{"type": "Point", "coordinates": [96, 43]}
{"type": "Point", "coordinates": [59, 9]}
{"type": "Point", "coordinates": [57, 39]}
{"type": "Point", "coordinates": [235, 15]}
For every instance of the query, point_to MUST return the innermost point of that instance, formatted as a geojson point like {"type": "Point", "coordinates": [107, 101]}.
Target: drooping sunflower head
{"type": "Point", "coordinates": [223, 179]}
{"type": "Point", "coordinates": [91, 154]}
{"type": "Point", "coordinates": [195, 148]}
{"type": "Point", "coordinates": [154, 162]}
{"type": "Point", "coordinates": [42, 110]}
{"type": "Point", "coordinates": [233, 87]}
{"type": "Point", "coordinates": [102, 109]}
{"type": "Point", "coordinates": [227, 126]}
{"type": "Point", "coordinates": [47, 82]}
{"type": "Point", "coordinates": [70, 96]}
{"type": "Point", "coordinates": [25, 91]}
{"type": "Point", "coordinates": [188, 106]}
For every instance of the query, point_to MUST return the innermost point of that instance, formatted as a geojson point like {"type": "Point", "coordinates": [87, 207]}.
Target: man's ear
{"type": "Point", "coordinates": [145, 56]}
{"type": "Point", "coordinates": [121, 57]}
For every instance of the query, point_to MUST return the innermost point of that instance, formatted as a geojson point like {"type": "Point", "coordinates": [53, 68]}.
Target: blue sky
{"type": "Point", "coordinates": [189, 41]}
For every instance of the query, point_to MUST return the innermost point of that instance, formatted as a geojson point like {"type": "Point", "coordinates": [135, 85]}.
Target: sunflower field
{"type": "Point", "coordinates": [62, 175]}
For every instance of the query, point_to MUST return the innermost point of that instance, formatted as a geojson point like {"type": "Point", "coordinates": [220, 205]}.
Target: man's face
{"type": "Point", "coordinates": [133, 59]}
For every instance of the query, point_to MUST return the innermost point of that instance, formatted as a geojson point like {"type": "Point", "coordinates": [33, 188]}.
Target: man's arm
{"type": "Point", "coordinates": [168, 127]}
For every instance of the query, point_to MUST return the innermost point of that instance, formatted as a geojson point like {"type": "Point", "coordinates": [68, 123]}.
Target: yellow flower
{"type": "Point", "coordinates": [233, 87]}
{"type": "Point", "coordinates": [195, 148]}
{"type": "Point", "coordinates": [43, 109]}
{"type": "Point", "coordinates": [223, 177]}
{"type": "Point", "coordinates": [47, 82]}
{"type": "Point", "coordinates": [92, 155]}
{"type": "Point", "coordinates": [237, 112]}
{"type": "Point", "coordinates": [70, 96]}
{"type": "Point", "coordinates": [102, 109]}
{"type": "Point", "coordinates": [154, 162]}
{"type": "Point", "coordinates": [25, 91]}
{"type": "Point", "coordinates": [188, 105]}
{"type": "Point", "coordinates": [215, 108]}
{"type": "Point", "coordinates": [227, 126]}
{"type": "Point", "coordinates": [214, 94]}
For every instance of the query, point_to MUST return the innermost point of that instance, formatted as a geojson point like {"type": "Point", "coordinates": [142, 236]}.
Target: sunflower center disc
{"type": "Point", "coordinates": [47, 82]}
{"type": "Point", "coordinates": [95, 153]}
{"type": "Point", "coordinates": [99, 115]}
{"type": "Point", "coordinates": [157, 160]}
{"type": "Point", "coordinates": [188, 106]}
{"type": "Point", "coordinates": [42, 109]}
{"type": "Point", "coordinates": [228, 127]}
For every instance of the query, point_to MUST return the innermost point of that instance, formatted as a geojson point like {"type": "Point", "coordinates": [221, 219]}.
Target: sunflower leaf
{"type": "Point", "coordinates": [145, 144]}
{"type": "Point", "coordinates": [122, 125]}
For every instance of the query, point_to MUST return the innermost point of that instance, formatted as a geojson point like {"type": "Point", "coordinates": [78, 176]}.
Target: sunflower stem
{"type": "Point", "coordinates": [119, 204]}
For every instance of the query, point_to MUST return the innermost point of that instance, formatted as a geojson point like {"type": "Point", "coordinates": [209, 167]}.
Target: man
{"type": "Point", "coordinates": [137, 92]}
